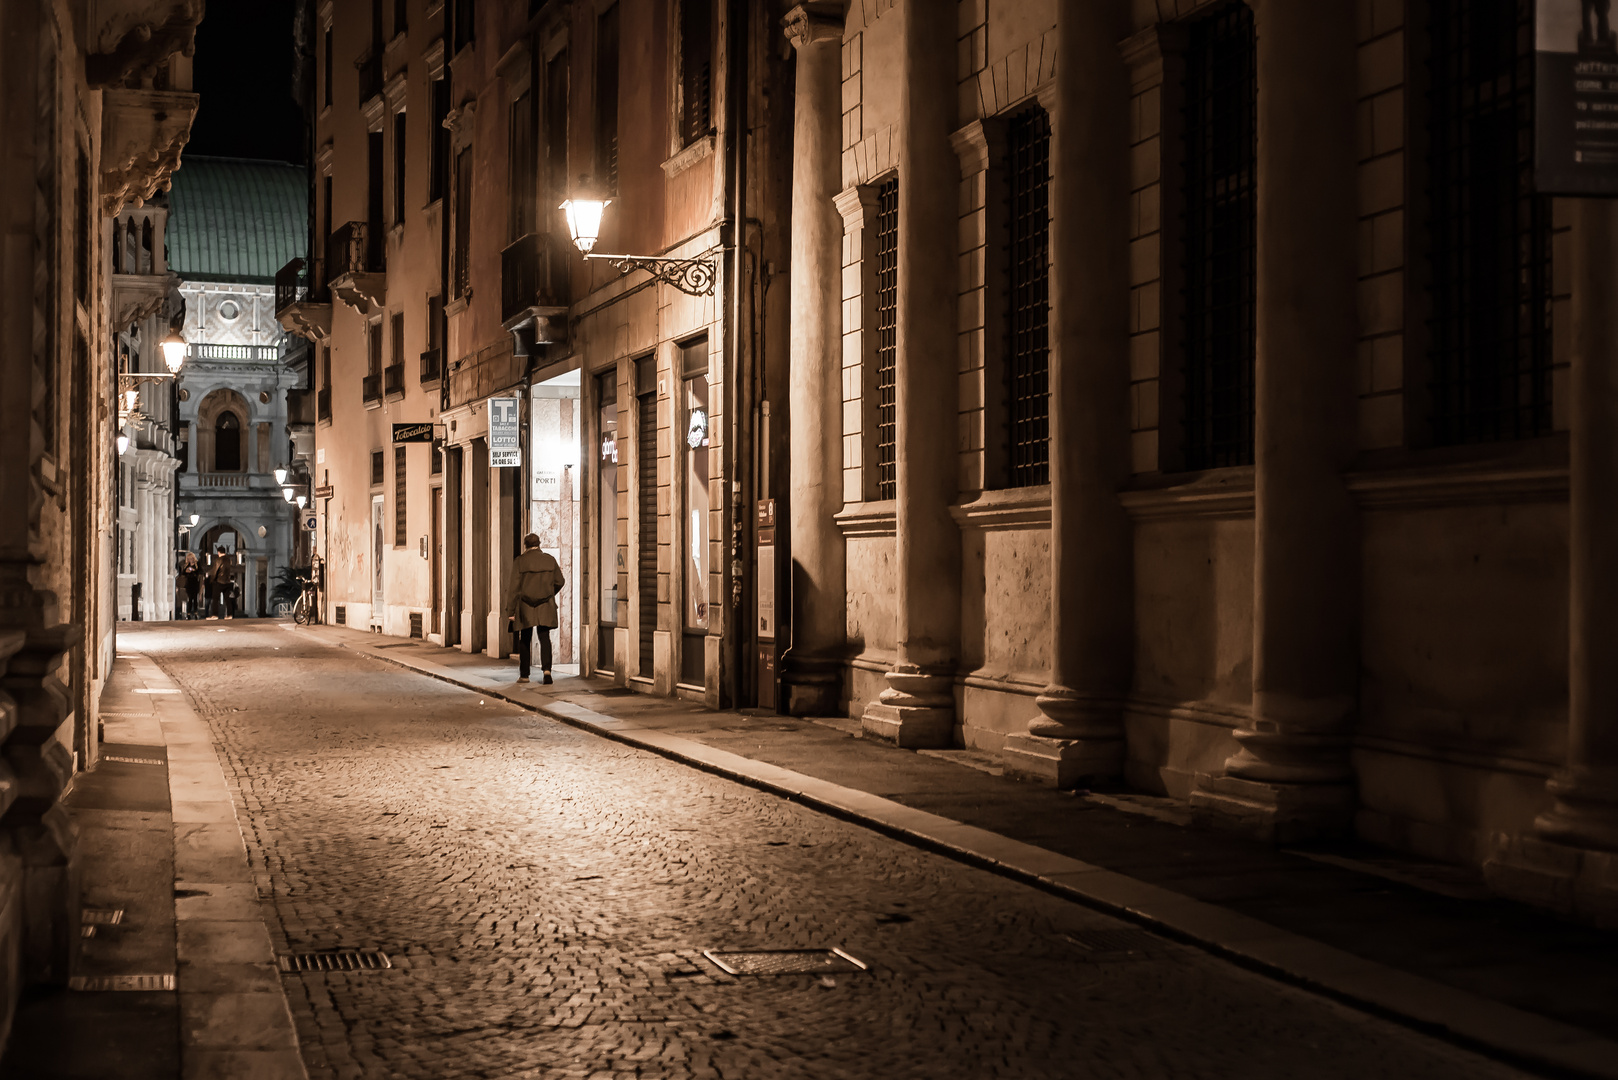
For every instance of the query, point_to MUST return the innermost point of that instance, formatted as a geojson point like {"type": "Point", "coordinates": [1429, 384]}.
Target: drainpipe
{"type": "Point", "coordinates": [737, 400]}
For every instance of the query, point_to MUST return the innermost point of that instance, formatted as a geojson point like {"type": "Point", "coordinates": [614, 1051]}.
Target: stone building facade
{"type": "Point", "coordinates": [97, 110]}
{"type": "Point", "coordinates": [1124, 388]}
{"type": "Point", "coordinates": [1283, 437]}
{"type": "Point", "coordinates": [234, 224]}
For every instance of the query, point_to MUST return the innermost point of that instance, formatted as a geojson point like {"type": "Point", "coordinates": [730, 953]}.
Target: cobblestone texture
{"type": "Point", "coordinates": [545, 895]}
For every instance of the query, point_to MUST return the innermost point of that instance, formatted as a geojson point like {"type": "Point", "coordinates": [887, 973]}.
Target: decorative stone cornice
{"type": "Point", "coordinates": [361, 290]}
{"type": "Point", "coordinates": [143, 132]}
{"type": "Point", "coordinates": [856, 204]}
{"type": "Point", "coordinates": [811, 23]}
{"type": "Point", "coordinates": [460, 122]}
{"type": "Point", "coordinates": [979, 143]}
{"type": "Point", "coordinates": [309, 321]}
{"type": "Point", "coordinates": [135, 296]}
{"type": "Point", "coordinates": [132, 38]}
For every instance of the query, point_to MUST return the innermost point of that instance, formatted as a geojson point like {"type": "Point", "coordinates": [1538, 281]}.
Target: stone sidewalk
{"type": "Point", "coordinates": [175, 974]}
{"type": "Point", "coordinates": [1417, 942]}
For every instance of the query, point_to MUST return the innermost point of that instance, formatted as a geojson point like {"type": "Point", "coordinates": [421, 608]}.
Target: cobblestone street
{"type": "Point", "coordinates": [545, 895]}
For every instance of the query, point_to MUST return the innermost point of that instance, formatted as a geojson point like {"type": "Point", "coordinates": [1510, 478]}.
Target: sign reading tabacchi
{"type": "Point", "coordinates": [505, 434]}
{"type": "Point", "coordinates": [1575, 98]}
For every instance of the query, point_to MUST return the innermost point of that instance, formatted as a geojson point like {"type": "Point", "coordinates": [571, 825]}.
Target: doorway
{"type": "Point", "coordinates": [553, 500]}
{"type": "Point", "coordinates": [376, 562]}
{"type": "Point", "coordinates": [435, 555]}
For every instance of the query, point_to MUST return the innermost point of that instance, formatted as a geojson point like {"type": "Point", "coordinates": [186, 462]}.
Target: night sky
{"type": "Point", "coordinates": [243, 73]}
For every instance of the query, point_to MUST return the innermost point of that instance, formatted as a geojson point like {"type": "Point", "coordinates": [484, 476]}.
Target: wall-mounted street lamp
{"type": "Point", "coordinates": [173, 347]}
{"type": "Point", "coordinates": [694, 277]}
{"type": "Point", "coordinates": [281, 475]}
{"type": "Point", "coordinates": [302, 501]}
{"type": "Point", "coordinates": [286, 493]}
{"type": "Point", "coordinates": [123, 443]}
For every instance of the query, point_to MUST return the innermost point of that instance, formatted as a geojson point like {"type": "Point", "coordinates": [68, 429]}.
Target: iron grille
{"type": "Point", "coordinates": [1491, 249]}
{"type": "Point", "coordinates": [886, 311]}
{"type": "Point", "coordinates": [1028, 357]}
{"type": "Point", "coordinates": [342, 615]}
{"type": "Point", "coordinates": [415, 624]}
{"type": "Point", "coordinates": [400, 502]}
{"type": "Point", "coordinates": [1221, 150]}
{"type": "Point", "coordinates": [646, 456]}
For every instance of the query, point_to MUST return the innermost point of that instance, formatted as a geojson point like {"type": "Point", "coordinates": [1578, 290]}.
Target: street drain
{"type": "Point", "coordinates": [134, 760]}
{"type": "Point", "coordinates": [784, 961]}
{"type": "Point", "coordinates": [121, 982]}
{"type": "Point", "coordinates": [344, 960]}
{"type": "Point", "coordinates": [1113, 942]}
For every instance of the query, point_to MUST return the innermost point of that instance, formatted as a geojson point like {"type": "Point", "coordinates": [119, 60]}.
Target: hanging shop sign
{"type": "Point", "coordinates": [325, 491]}
{"type": "Point", "coordinates": [1575, 98]}
{"type": "Point", "coordinates": [505, 434]}
{"type": "Point", "coordinates": [413, 433]}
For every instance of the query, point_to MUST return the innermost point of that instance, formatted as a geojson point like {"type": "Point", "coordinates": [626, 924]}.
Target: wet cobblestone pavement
{"type": "Point", "coordinates": [545, 895]}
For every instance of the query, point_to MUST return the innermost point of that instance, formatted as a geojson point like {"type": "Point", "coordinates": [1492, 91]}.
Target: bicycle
{"type": "Point", "coordinates": [306, 611]}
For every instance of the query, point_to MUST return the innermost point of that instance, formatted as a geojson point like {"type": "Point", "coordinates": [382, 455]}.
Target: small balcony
{"type": "Point", "coordinates": [355, 268]}
{"type": "Point", "coordinates": [393, 381]}
{"type": "Point", "coordinates": [371, 391]}
{"type": "Point", "coordinates": [533, 289]}
{"type": "Point", "coordinates": [296, 308]}
{"type": "Point", "coordinates": [432, 366]}
{"type": "Point", "coordinates": [323, 404]}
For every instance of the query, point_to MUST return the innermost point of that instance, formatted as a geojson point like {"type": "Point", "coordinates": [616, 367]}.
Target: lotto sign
{"type": "Point", "coordinates": [505, 434]}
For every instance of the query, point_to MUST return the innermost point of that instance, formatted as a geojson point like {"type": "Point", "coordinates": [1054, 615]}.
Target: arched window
{"type": "Point", "coordinates": [227, 443]}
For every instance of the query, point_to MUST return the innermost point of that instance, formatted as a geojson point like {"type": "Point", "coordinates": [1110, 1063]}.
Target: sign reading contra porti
{"type": "Point", "coordinates": [1575, 98]}
{"type": "Point", "coordinates": [505, 434]}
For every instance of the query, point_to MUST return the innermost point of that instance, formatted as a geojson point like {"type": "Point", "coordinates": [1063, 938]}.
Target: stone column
{"type": "Point", "coordinates": [813, 674]}
{"type": "Point", "coordinates": [1585, 813]}
{"type": "Point", "coordinates": [1079, 734]}
{"type": "Point", "coordinates": [918, 708]}
{"type": "Point", "coordinates": [1292, 777]}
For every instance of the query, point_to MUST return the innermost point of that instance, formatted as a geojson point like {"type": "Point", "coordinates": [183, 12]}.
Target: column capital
{"type": "Point", "coordinates": [856, 203]}
{"type": "Point", "coordinates": [813, 23]}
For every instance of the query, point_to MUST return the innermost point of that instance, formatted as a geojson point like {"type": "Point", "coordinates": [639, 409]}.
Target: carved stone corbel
{"type": "Point", "coordinates": [135, 37]}
{"type": "Point", "coordinates": [143, 134]}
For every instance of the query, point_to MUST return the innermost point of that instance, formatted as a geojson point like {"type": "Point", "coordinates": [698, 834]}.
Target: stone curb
{"type": "Point", "coordinates": [234, 1016]}
{"type": "Point", "coordinates": [1433, 1008]}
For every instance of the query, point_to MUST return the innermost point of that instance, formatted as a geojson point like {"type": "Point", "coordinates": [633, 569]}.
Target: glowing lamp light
{"type": "Point", "coordinates": [173, 351]}
{"type": "Point", "coordinates": [131, 399]}
{"type": "Point", "coordinates": [281, 475]}
{"type": "Point", "coordinates": [123, 443]}
{"type": "Point", "coordinates": [584, 220]}
{"type": "Point", "coordinates": [302, 499]}
{"type": "Point", "coordinates": [286, 493]}
{"type": "Point", "coordinates": [195, 518]}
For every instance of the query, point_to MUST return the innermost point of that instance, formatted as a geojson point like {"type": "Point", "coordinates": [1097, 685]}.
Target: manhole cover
{"type": "Point", "coordinates": [121, 982]}
{"type": "Point", "coordinates": [784, 961]}
{"type": "Point", "coordinates": [1113, 942]}
{"type": "Point", "coordinates": [134, 760]}
{"type": "Point", "coordinates": [347, 960]}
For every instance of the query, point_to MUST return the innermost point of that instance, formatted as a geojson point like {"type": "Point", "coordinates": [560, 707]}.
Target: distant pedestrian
{"type": "Point", "coordinates": [190, 584]}
{"type": "Point", "coordinates": [223, 579]}
{"type": "Point", "coordinates": [531, 590]}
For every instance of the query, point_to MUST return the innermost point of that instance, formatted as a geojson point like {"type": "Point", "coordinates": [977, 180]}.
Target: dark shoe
{"type": "Point", "coordinates": [547, 679]}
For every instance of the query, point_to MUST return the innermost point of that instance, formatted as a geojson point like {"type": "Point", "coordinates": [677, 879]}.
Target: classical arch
{"type": "Point", "coordinates": [209, 413]}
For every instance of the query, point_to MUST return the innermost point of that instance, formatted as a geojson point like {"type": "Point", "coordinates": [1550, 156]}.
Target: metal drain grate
{"type": "Point", "coordinates": [101, 917]}
{"type": "Point", "coordinates": [134, 760]}
{"type": "Point", "coordinates": [345, 960]}
{"type": "Point", "coordinates": [1114, 942]}
{"type": "Point", "coordinates": [784, 961]}
{"type": "Point", "coordinates": [121, 982]}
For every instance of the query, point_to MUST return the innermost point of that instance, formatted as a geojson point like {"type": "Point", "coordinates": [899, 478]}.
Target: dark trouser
{"type": "Point", "coordinates": [524, 644]}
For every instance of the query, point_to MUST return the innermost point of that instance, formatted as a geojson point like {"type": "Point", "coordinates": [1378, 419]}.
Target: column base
{"type": "Point", "coordinates": [1282, 813]}
{"type": "Point", "coordinates": [1066, 763]}
{"type": "Point", "coordinates": [813, 688]}
{"type": "Point", "coordinates": [1572, 881]}
{"type": "Point", "coordinates": [910, 727]}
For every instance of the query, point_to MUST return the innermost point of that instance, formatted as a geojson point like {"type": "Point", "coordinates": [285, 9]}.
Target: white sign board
{"type": "Point", "coordinates": [505, 434]}
{"type": "Point", "coordinates": [309, 521]}
{"type": "Point", "coordinates": [547, 485]}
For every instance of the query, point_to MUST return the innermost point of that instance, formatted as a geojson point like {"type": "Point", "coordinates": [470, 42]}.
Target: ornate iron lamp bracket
{"type": "Point", "coordinates": [694, 277]}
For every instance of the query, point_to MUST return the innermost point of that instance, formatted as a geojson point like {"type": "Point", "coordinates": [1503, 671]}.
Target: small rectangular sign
{"type": "Point", "coordinates": [325, 491]}
{"type": "Point", "coordinates": [505, 434]}
{"type": "Point", "coordinates": [411, 433]}
{"type": "Point", "coordinates": [310, 522]}
{"type": "Point", "coordinates": [1575, 99]}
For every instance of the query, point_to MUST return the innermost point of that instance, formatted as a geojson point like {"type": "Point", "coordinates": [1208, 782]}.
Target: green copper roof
{"type": "Point", "coordinates": [232, 219]}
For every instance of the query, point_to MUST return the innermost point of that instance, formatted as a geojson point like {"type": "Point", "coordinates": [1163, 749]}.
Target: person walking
{"type": "Point", "coordinates": [531, 588]}
{"type": "Point", "coordinates": [223, 579]}
{"type": "Point", "coordinates": [190, 583]}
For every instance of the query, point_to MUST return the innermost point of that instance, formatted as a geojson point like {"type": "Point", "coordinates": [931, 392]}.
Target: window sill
{"type": "Point", "coordinates": [1523, 470]}
{"type": "Point", "coordinates": [691, 155]}
{"type": "Point", "coordinates": [1006, 508]}
{"type": "Point", "coordinates": [459, 304]}
{"type": "Point", "coordinates": [1212, 493]}
{"type": "Point", "coordinates": [874, 518]}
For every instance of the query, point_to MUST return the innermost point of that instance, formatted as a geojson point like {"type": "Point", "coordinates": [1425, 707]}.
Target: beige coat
{"type": "Point", "coordinates": [533, 573]}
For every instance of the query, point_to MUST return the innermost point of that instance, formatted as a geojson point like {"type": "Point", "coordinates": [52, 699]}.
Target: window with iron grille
{"type": "Point", "coordinates": [399, 461]}
{"type": "Point", "coordinates": [1221, 238]}
{"type": "Point", "coordinates": [1490, 234]}
{"type": "Point", "coordinates": [463, 223]}
{"type": "Point", "coordinates": [373, 348]}
{"type": "Point", "coordinates": [399, 159]}
{"type": "Point", "coordinates": [1028, 353]}
{"type": "Point", "coordinates": [885, 312]}
{"type": "Point", "coordinates": [376, 468]}
{"type": "Point", "coordinates": [696, 69]}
